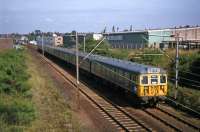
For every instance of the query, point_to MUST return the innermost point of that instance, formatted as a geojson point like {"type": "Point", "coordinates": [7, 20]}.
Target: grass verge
{"type": "Point", "coordinates": [53, 112]}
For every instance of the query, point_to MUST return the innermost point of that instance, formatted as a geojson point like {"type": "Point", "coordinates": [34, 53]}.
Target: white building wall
{"type": "Point", "coordinates": [97, 36]}
{"type": "Point", "coordinates": [54, 41]}
{"type": "Point", "coordinates": [188, 33]}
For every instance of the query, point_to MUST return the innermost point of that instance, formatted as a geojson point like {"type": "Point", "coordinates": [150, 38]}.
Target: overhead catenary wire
{"type": "Point", "coordinates": [92, 50]}
{"type": "Point", "coordinates": [191, 73]}
{"type": "Point", "coordinates": [189, 80]}
{"type": "Point", "coordinates": [193, 85]}
{"type": "Point", "coordinates": [160, 49]}
{"type": "Point", "coordinates": [181, 77]}
{"type": "Point", "coordinates": [195, 67]}
{"type": "Point", "coordinates": [173, 79]}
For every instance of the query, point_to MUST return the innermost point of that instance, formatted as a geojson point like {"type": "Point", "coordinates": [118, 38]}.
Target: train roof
{"type": "Point", "coordinates": [128, 65]}
{"type": "Point", "coordinates": [122, 64]}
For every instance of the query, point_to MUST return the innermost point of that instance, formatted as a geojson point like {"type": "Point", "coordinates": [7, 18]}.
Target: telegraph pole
{"type": "Point", "coordinates": [77, 70]}
{"type": "Point", "coordinates": [177, 64]}
{"type": "Point", "coordinates": [84, 43]}
{"type": "Point", "coordinates": [42, 45]}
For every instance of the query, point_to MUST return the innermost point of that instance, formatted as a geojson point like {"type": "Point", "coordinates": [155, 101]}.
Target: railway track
{"type": "Point", "coordinates": [116, 115]}
{"type": "Point", "coordinates": [196, 127]}
{"type": "Point", "coordinates": [119, 117]}
{"type": "Point", "coordinates": [171, 120]}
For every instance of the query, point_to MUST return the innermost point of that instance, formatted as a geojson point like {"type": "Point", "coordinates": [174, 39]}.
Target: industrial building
{"type": "Point", "coordinates": [156, 38]}
{"type": "Point", "coordinates": [53, 40]}
{"type": "Point", "coordinates": [189, 37]}
{"type": "Point", "coordinates": [132, 40]}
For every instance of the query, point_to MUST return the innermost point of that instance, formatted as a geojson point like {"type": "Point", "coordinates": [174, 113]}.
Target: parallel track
{"type": "Point", "coordinates": [178, 118]}
{"type": "Point", "coordinates": [171, 120]}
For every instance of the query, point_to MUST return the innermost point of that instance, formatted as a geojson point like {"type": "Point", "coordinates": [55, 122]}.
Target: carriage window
{"type": "Point", "coordinates": [134, 78]}
{"type": "Point", "coordinates": [144, 80]}
{"type": "Point", "coordinates": [162, 79]}
{"type": "Point", "coordinates": [126, 74]}
{"type": "Point", "coordinates": [154, 79]}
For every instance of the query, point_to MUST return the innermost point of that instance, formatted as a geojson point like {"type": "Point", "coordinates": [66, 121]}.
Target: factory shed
{"type": "Point", "coordinates": [159, 38]}
{"type": "Point", "coordinates": [127, 40]}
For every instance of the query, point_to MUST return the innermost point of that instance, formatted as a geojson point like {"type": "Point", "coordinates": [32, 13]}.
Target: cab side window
{"type": "Point", "coordinates": [162, 79]}
{"type": "Point", "coordinates": [144, 80]}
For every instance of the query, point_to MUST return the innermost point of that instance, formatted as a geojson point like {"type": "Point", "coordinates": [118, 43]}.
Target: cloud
{"type": "Point", "coordinates": [49, 20]}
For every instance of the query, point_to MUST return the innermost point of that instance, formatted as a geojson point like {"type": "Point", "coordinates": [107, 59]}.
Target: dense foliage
{"type": "Point", "coordinates": [69, 42]}
{"type": "Point", "coordinates": [189, 70]}
{"type": "Point", "coordinates": [16, 108]}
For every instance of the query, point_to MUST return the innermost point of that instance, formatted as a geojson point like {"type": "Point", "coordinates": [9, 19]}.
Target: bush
{"type": "Point", "coordinates": [188, 70]}
{"type": "Point", "coordinates": [16, 111]}
{"type": "Point", "coordinates": [13, 76]}
{"type": "Point", "coordinates": [189, 98]}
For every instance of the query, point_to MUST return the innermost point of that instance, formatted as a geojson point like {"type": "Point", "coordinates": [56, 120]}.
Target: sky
{"type": "Point", "coordinates": [24, 16]}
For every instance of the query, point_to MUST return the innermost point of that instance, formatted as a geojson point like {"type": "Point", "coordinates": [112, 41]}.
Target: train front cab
{"type": "Point", "coordinates": [152, 87]}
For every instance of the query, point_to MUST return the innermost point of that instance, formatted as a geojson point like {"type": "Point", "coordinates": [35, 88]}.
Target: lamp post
{"type": "Point", "coordinates": [177, 63]}
{"type": "Point", "coordinates": [78, 63]}
{"type": "Point", "coordinates": [84, 36]}
{"type": "Point", "coordinates": [77, 70]}
{"type": "Point", "coordinates": [84, 43]}
{"type": "Point", "coordinates": [176, 59]}
{"type": "Point", "coordinates": [77, 59]}
{"type": "Point", "coordinates": [42, 44]}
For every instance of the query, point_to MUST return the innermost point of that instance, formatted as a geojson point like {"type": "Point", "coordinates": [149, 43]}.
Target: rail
{"type": "Point", "coordinates": [130, 123]}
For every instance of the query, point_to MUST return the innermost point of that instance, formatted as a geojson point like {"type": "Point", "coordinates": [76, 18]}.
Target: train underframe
{"type": "Point", "coordinates": [152, 101]}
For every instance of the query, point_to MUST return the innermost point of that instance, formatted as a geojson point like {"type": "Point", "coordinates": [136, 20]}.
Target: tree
{"type": "Point", "coordinates": [69, 41]}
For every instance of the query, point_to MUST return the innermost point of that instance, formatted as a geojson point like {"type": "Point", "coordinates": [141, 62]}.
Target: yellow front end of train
{"type": "Point", "coordinates": [152, 86]}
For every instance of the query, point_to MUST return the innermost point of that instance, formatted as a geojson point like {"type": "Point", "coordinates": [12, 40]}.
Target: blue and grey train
{"type": "Point", "coordinates": [148, 83]}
